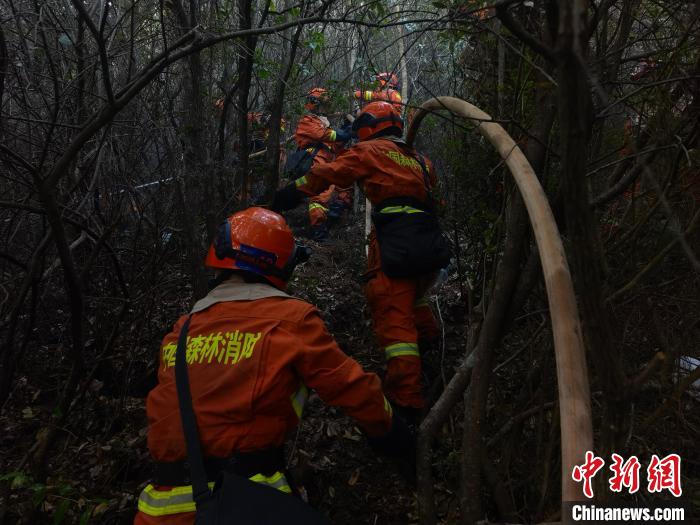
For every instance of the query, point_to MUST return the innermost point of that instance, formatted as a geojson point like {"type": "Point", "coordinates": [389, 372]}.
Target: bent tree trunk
{"type": "Point", "coordinates": [572, 375]}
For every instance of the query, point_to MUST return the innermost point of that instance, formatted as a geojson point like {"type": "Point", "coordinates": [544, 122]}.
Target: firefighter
{"type": "Point", "coordinates": [315, 135]}
{"type": "Point", "coordinates": [398, 182]}
{"type": "Point", "coordinates": [252, 353]}
{"type": "Point", "coordinates": [387, 90]}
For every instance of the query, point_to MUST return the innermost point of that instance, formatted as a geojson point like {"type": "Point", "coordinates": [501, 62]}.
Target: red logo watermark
{"type": "Point", "coordinates": [662, 474]}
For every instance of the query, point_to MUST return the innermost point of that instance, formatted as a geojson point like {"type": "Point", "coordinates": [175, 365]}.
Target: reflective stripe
{"type": "Point", "coordinates": [300, 181]}
{"type": "Point", "coordinates": [314, 205]}
{"type": "Point", "coordinates": [401, 349]}
{"type": "Point", "coordinates": [400, 209]}
{"type": "Point", "coordinates": [387, 407]}
{"type": "Point", "coordinates": [299, 399]}
{"type": "Point", "coordinates": [179, 499]}
{"type": "Point", "coordinates": [276, 481]}
{"type": "Point", "coordinates": [423, 301]}
{"type": "Point", "coordinates": [332, 135]}
{"type": "Point", "coordinates": [368, 95]}
{"type": "Point", "coordinates": [164, 502]}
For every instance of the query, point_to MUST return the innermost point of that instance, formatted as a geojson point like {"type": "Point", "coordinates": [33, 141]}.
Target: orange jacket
{"type": "Point", "coordinates": [251, 349]}
{"type": "Point", "coordinates": [389, 95]}
{"type": "Point", "coordinates": [382, 167]}
{"type": "Point", "coordinates": [316, 129]}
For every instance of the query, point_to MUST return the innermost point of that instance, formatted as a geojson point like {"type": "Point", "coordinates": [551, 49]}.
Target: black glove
{"type": "Point", "coordinates": [343, 135]}
{"type": "Point", "coordinates": [287, 198]}
{"type": "Point", "coordinates": [399, 442]}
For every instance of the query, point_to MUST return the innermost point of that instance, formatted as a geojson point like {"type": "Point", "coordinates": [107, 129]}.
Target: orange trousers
{"type": "Point", "coordinates": [401, 317]}
{"type": "Point", "coordinates": [318, 206]}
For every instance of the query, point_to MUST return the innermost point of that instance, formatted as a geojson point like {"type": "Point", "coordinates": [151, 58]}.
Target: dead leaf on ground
{"type": "Point", "coordinates": [354, 477]}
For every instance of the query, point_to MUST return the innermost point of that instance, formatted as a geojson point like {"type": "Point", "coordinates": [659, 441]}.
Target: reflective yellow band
{"type": "Point", "coordinates": [276, 481]}
{"type": "Point", "coordinates": [401, 349]}
{"type": "Point", "coordinates": [315, 205]}
{"type": "Point", "coordinates": [368, 95]}
{"type": "Point", "coordinates": [387, 407]}
{"type": "Point", "coordinates": [401, 209]}
{"type": "Point", "coordinates": [423, 301]}
{"type": "Point", "coordinates": [179, 499]}
{"type": "Point", "coordinates": [331, 135]}
{"type": "Point", "coordinates": [165, 502]}
{"type": "Point", "coordinates": [299, 399]}
{"type": "Point", "coordinates": [300, 181]}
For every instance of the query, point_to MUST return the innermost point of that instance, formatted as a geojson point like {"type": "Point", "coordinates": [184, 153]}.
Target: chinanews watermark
{"type": "Point", "coordinates": [663, 475]}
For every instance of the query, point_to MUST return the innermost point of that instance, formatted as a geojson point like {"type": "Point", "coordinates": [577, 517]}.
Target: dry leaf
{"type": "Point", "coordinates": [354, 477]}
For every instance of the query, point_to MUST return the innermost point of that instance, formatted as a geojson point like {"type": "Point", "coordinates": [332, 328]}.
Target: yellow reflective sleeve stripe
{"type": "Point", "coordinates": [387, 407]}
{"type": "Point", "coordinates": [179, 499]}
{"type": "Point", "coordinates": [423, 301]}
{"type": "Point", "coordinates": [401, 349]}
{"type": "Point", "coordinates": [332, 135]}
{"type": "Point", "coordinates": [315, 205]}
{"type": "Point", "coordinates": [300, 181]}
{"type": "Point", "coordinates": [277, 481]}
{"type": "Point", "coordinates": [368, 95]}
{"type": "Point", "coordinates": [401, 209]}
{"type": "Point", "coordinates": [164, 502]}
{"type": "Point", "coordinates": [299, 399]}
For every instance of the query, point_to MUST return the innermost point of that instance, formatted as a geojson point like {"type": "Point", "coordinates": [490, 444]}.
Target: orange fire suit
{"type": "Point", "coordinates": [319, 205]}
{"type": "Point", "coordinates": [312, 131]}
{"type": "Point", "coordinates": [388, 95]}
{"type": "Point", "coordinates": [252, 352]}
{"type": "Point", "coordinates": [386, 168]}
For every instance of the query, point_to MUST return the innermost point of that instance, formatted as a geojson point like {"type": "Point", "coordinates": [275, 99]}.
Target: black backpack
{"type": "Point", "coordinates": [300, 161]}
{"type": "Point", "coordinates": [411, 244]}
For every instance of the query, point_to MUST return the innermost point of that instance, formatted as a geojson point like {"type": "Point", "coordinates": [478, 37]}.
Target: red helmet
{"type": "Point", "coordinates": [315, 97]}
{"type": "Point", "coordinates": [376, 117]}
{"type": "Point", "coordinates": [259, 241]}
{"type": "Point", "coordinates": [387, 78]}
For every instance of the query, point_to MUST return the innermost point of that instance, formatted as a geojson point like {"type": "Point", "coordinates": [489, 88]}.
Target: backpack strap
{"type": "Point", "coordinates": [200, 488]}
{"type": "Point", "coordinates": [426, 174]}
{"type": "Point", "coordinates": [421, 160]}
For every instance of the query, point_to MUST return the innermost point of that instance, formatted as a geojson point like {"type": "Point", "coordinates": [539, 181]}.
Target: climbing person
{"type": "Point", "coordinates": [252, 352]}
{"type": "Point", "coordinates": [317, 143]}
{"type": "Point", "coordinates": [387, 85]}
{"type": "Point", "coordinates": [407, 247]}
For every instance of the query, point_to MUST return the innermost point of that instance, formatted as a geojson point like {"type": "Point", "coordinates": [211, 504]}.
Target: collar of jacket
{"type": "Point", "coordinates": [236, 289]}
{"type": "Point", "coordinates": [322, 118]}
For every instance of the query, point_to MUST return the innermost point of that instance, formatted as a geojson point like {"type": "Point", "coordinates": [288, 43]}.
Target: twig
{"type": "Point", "coordinates": [685, 384]}
{"type": "Point", "coordinates": [649, 177]}
{"type": "Point", "coordinates": [656, 260]}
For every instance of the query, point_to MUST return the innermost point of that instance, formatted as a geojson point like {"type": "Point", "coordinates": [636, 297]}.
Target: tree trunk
{"type": "Point", "coordinates": [575, 122]}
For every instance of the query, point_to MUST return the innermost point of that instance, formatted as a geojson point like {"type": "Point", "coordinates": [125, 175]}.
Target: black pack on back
{"type": "Point", "coordinates": [300, 161]}
{"type": "Point", "coordinates": [411, 244]}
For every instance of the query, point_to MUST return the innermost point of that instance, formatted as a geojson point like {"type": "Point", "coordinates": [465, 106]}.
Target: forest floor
{"type": "Point", "coordinates": [101, 462]}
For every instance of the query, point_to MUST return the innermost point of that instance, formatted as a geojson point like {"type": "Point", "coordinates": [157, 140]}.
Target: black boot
{"type": "Point", "coordinates": [319, 232]}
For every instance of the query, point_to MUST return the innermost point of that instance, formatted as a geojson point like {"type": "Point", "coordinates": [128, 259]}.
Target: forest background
{"type": "Point", "coordinates": [117, 163]}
